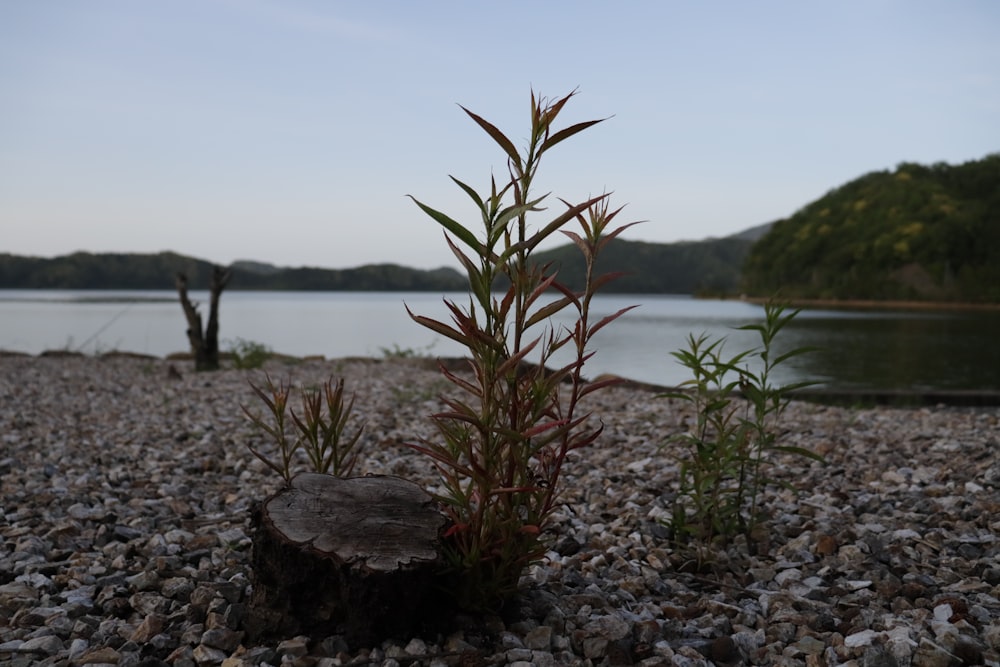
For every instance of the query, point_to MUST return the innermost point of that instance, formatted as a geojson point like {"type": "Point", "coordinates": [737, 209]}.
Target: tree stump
{"type": "Point", "coordinates": [356, 557]}
{"type": "Point", "coordinates": [204, 347]}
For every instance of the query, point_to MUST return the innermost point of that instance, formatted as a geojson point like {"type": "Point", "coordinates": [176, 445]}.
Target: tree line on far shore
{"type": "Point", "coordinates": [710, 266]}
{"type": "Point", "coordinates": [925, 233]}
{"type": "Point", "coordinates": [84, 270]}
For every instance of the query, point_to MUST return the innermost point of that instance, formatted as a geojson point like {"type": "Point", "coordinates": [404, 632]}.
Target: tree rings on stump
{"type": "Point", "coordinates": [357, 557]}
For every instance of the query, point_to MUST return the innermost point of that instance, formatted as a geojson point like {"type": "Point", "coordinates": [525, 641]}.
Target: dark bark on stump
{"type": "Point", "coordinates": [204, 347]}
{"type": "Point", "coordinates": [357, 557]}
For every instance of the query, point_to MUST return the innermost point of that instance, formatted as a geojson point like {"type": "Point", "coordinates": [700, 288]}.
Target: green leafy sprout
{"type": "Point", "coordinates": [735, 433]}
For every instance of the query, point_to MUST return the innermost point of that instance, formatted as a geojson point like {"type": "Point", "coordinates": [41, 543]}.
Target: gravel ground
{"type": "Point", "coordinates": [126, 485]}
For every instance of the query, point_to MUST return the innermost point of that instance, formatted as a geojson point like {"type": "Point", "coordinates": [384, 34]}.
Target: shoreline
{"type": "Point", "coordinates": [861, 397]}
{"type": "Point", "coordinates": [868, 304]}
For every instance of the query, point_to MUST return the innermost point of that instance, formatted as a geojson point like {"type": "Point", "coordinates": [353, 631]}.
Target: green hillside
{"type": "Point", "coordinates": [83, 270]}
{"type": "Point", "coordinates": [690, 267]}
{"type": "Point", "coordinates": [914, 233]}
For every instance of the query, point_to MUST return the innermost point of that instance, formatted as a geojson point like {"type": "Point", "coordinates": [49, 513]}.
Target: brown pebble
{"type": "Point", "coordinates": [826, 545]}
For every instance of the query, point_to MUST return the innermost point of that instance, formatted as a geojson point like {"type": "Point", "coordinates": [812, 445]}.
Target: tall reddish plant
{"type": "Point", "coordinates": [505, 435]}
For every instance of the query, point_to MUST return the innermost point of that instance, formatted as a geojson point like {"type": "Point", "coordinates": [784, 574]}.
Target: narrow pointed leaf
{"type": "Point", "coordinates": [460, 382]}
{"type": "Point", "coordinates": [579, 241]}
{"type": "Point", "coordinates": [793, 353]}
{"type": "Point", "coordinates": [467, 237]}
{"type": "Point", "coordinates": [543, 286]}
{"type": "Point", "coordinates": [602, 280]}
{"type": "Point", "coordinates": [603, 383]}
{"type": "Point", "coordinates": [605, 321]}
{"type": "Point", "coordinates": [543, 427]}
{"type": "Point", "coordinates": [497, 136]}
{"type": "Point", "coordinates": [514, 361]}
{"type": "Point", "coordinates": [568, 132]}
{"type": "Point", "coordinates": [548, 310]}
{"type": "Point", "coordinates": [610, 236]}
{"type": "Point", "coordinates": [469, 191]}
{"type": "Point", "coordinates": [439, 327]}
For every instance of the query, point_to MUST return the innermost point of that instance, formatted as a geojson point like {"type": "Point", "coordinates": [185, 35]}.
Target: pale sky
{"type": "Point", "coordinates": [290, 131]}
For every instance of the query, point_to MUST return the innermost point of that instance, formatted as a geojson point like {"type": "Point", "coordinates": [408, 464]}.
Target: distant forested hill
{"type": "Point", "coordinates": [710, 266]}
{"type": "Point", "coordinates": [704, 267]}
{"type": "Point", "coordinates": [917, 232]}
{"type": "Point", "coordinates": [156, 272]}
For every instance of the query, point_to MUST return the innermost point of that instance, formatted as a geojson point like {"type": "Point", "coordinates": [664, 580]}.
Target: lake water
{"type": "Point", "coordinates": [857, 349]}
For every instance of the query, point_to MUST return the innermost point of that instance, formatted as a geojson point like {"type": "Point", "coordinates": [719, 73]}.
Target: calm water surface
{"type": "Point", "coordinates": [856, 349]}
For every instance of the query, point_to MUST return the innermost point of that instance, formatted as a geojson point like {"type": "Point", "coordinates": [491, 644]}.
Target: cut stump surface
{"type": "Point", "coordinates": [380, 524]}
{"type": "Point", "coordinates": [358, 557]}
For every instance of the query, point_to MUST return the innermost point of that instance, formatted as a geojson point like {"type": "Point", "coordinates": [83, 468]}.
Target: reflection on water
{"type": "Point", "coordinates": [855, 349]}
{"type": "Point", "coordinates": [911, 350]}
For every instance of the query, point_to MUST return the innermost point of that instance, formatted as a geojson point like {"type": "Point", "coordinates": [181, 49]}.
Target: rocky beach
{"type": "Point", "coordinates": [126, 486]}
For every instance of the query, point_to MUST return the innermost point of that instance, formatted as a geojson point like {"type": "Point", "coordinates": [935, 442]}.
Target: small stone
{"type": "Point", "coordinates": [456, 644]}
{"type": "Point", "coordinates": [991, 635]}
{"type": "Point", "coordinates": [538, 659]}
{"type": "Point", "coordinates": [595, 647]}
{"type": "Point", "coordinates": [416, 646]}
{"type": "Point", "coordinates": [296, 647]}
{"type": "Point", "coordinates": [518, 655]}
{"type": "Point", "coordinates": [182, 655]}
{"type": "Point", "coordinates": [858, 639]}
{"type": "Point", "coordinates": [149, 603]}
{"type": "Point", "coordinates": [395, 651]}
{"type": "Point", "coordinates": [77, 647]}
{"type": "Point", "coordinates": [930, 654]}
{"type": "Point", "coordinates": [201, 542]}
{"type": "Point", "coordinates": [878, 655]}
{"type": "Point", "coordinates": [144, 581]}
{"type": "Point", "coordinates": [126, 533]}
{"type": "Point", "coordinates": [222, 638]}
{"type": "Point", "coordinates": [47, 645]}
{"type": "Point", "coordinates": [943, 612]}
{"type": "Point", "coordinates": [900, 645]}
{"type": "Point", "coordinates": [234, 537]}
{"type": "Point", "coordinates": [10, 646]}
{"type": "Point", "coordinates": [201, 597]}
{"type": "Point", "coordinates": [102, 655]}
{"type": "Point", "coordinates": [905, 534]}
{"type": "Point", "coordinates": [177, 588]}
{"type": "Point", "coordinates": [826, 545]}
{"type": "Point", "coordinates": [784, 577]}
{"type": "Point", "coordinates": [151, 625]}
{"type": "Point", "coordinates": [230, 590]}
{"type": "Point", "coordinates": [207, 655]}
{"type": "Point", "coordinates": [539, 639]}
{"type": "Point", "coordinates": [810, 645]}
{"type": "Point", "coordinates": [610, 627]}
